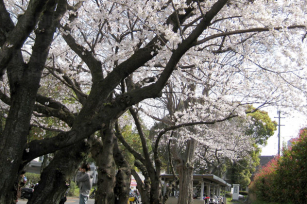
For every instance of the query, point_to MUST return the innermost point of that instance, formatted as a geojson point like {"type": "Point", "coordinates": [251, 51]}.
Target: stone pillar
{"type": "Point", "coordinates": [208, 192]}
{"type": "Point", "coordinates": [214, 191]}
{"type": "Point", "coordinates": [208, 189]}
{"type": "Point", "coordinates": [164, 187]}
{"type": "Point", "coordinates": [201, 196]}
{"type": "Point", "coordinates": [235, 194]}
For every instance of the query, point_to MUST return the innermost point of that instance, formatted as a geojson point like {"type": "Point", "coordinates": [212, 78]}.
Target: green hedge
{"type": "Point", "coordinates": [243, 193]}
{"type": "Point", "coordinates": [228, 194]}
{"type": "Point", "coordinates": [73, 189]}
{"type": "Point", "coordinates": [32, 178]}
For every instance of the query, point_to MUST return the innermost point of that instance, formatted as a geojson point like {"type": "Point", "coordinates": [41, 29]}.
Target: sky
{"type": "Point", "coordinates": [291, 124]}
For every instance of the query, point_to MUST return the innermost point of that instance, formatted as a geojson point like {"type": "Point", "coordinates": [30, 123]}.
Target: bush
{"type": "Point", "coordinates": [228, 195]}
{"type": "Point", "coordinates": [32, 178]}
{"type": "Point", "coordinates": [263, 184]}
{"type": "Point", "coordinates": [73, 189]}
{"type": "Point", "coordinates": [284, 179]}
{"type": "Point", "coordinates": [243, 193]}
{"type": "Point", "coordinates": [292, 172]}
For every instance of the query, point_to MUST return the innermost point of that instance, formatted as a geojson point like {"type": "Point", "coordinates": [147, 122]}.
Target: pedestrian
{"type": "Point", "coordinates": [22, 180]}
{"type": "Point", "coordinates": [84, 182]}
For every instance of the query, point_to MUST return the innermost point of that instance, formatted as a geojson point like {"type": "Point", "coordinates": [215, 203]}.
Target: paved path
{"type": "Point", "coordinates": [70, 200]}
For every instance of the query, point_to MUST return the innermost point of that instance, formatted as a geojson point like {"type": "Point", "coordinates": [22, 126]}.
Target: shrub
{"type": "Point", "coordinates": [72, 189]}
{"type": "Point", "coordinates": [32, 178]}
{"type": "Point", "coordinates": [228, 194]}
{"type": "Point", "coordinates": [292, 171]}
{"type": "Point", "coordinates": [284, 179]}
{"type": "Point", "coordinates": [243, 193]}
{"type": "Point", "coordinates": [262, 186]}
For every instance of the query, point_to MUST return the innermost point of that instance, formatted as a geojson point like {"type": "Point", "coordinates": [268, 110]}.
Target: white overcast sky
{"type": "Point", "coordinates": [290, 129]}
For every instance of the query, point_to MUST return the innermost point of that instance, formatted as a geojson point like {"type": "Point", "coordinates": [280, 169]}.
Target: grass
{"type": "Point", "coordinates": [229, 201]}
{"type": "Point", "coordinates": [262, 202]}
{"type": "Point", "coordinates": [77, 191]}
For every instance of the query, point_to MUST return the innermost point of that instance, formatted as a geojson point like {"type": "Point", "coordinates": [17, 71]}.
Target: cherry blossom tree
{"type": "Point", "coordinates": [190, 134]}
{"type": "Point", "coordinates": [85, 63]}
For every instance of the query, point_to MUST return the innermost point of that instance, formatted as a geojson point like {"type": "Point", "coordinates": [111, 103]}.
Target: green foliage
{"type": "Point", "coordinates": [133, 139]}
{"type": "Point", "coordinates": [228, 194]}
{"type": "Point", "coordinates": [35, 178]}
{"type": "Point", "coordinates": [292, 171]}
{"type": "Point", "coordinates": [32, 178]}
{"type": "Point", "coordinates": [163, 148]}
{"type": "Point", "coordinates": [263, 184]}
{"type": "Point", "coordinates": [230, 201]}
{"type": "Point", "coordinates": [73, 189]}
{"type": "Point", "coordinates": [284, 179]}
{"type": "Point", "coordinates": [37, 133]}
{"type": "Point", "coordinates": [262, 202]}
{"type": "Point", "coordinates": [241, 171]}
{"type": "Point", "coordinates": [262, 128]}
{"type": "Point", "coordinates": [243, 193]}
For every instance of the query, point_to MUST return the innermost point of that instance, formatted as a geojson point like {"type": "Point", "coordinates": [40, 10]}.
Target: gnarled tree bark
{"type": "Point", "coordinates": [185, 170]}
{"type": "Point", "coordinates": [60, 171]}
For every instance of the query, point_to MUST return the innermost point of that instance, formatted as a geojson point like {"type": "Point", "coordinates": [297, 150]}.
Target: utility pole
{"type": "Point", "coordinates": [278, 112]}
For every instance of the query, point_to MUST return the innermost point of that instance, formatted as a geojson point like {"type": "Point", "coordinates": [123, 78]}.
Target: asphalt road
{"type": "Point", "coordinates": [70, 200]}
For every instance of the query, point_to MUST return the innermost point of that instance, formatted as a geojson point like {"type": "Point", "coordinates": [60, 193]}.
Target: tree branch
{"type": "Point", "coordinates": [87, 56]}
{"type": "Point", "coordinates": [97, 113]}
{"type": "Point", "coordinates": [6, 25]}
{"type": "Point", "coordinates": [50, 107]}
{"type": "Point", "coordinates": [127, 146]}
{"type": "Point", "coordinates": [69, 83]}
{"type": "Point", "coordinates": [141, 134]}
{"type": "Point", "coordinates": [251, 30]}
{"type": "Point", "coordinates": [25, 25]}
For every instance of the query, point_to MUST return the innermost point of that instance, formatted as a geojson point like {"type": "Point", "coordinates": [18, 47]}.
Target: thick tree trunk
{"type": "Point", "coordinates": [155, 191]}
{"type": "Point", "coordinates": [140, 187]}
{"type": "Point", "coordinates": [123, 176]}
{"type": "Point", "coordinates": [96, 151]}
{"type": "Point", "coordinates": [16, 129]}
{"type": "Point", "coordinates": [1, 122]}
{"type": "Point", "coordinates": [185, 171]}
{"type": "Point", "coordinates": [60, 171]}
{"type": "Point", "coordinates": [185, 184]}
{"type": "Point", "coordinates": [24, 82]}
{"type": "Point", "coordinates": [106, 167]}
{"type": "Point", "coordinates": [175, 181]}
{"type": "Point", "coordinates": [143, 187]}
{"type": "Point", "coordinates": [44, 163]}
{"type": "Point", "coordinates": [150, 189]}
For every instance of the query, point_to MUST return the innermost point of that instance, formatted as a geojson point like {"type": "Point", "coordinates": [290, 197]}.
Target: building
{"type": "Point", "coordinates": [34, 166]}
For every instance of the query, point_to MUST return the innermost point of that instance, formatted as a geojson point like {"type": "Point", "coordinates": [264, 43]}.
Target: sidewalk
{"type": "Point", "coordinates": [70, 200]}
